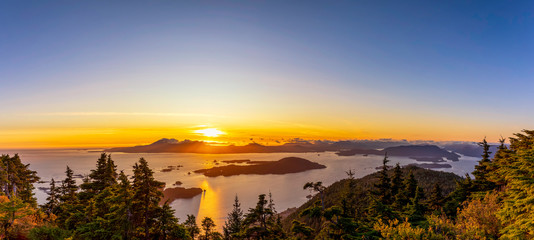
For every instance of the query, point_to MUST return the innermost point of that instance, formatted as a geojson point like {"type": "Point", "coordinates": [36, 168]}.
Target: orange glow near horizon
{"type": "Point", "coordinates": [98, 130]}
{"type": "Point", "coordinates": [210, 132]}
{"type": "Point", "coordinates": [238, 134]}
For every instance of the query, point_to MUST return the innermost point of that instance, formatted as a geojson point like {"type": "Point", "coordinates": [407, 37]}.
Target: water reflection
{"type": "Point", "coordinates": [209, 203]}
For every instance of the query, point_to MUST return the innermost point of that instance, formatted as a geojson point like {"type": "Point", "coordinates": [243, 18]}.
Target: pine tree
{"type": "Point", "coordinates": [103, 176]}
{"type": "Point", "coordinates": [234, 223]}
{"type": "Point", "coordinates": [463, 191]}
{"type": "Point", "coordinates": [191, 226]}
{"type": "Point", "coordinates": [383, 187]}
{"type": "Point", "coordinates": [517, 213]}
{"type": "Point", "coordinates": [482, 169]}
{"type": "Point", "coordinates": [123, 207]}
{"type": "Point", "coordinates": [406, 193]}
{"type": "Point", "coordinates": [301, 230]}
{"type": "Point", "coordinates": [167, 223]}
{"type": "Point", "coordinates": [256, 219]}
{"type": "Point", "coordinates": [52, 201]}
{"type": "Point", "coordinates": [436, 197]}
{"type": "Point", "coordinates": [208, 226]}
{"type": "Point", "coordinates": [318, 188]}
{"type": "Point", "coordinates": [69, 187]}
{"type": "Point", "coordinates": [17, 179]}
{"type": "Point", "coordinates": [416, 210]}
{"type": "Point", "coordinates": [396, 180]}
{"type": "Point", "coordinates": [497, 170]}
{"type": "Point", "coordinates": [147, 195]}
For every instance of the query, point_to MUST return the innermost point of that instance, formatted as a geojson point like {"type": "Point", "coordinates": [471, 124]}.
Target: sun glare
{"type": "Point", "coordinates": [210, 132]}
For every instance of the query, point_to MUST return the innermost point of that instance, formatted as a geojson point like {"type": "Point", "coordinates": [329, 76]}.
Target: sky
{"type": "Point", "coordinates": [116, 73]}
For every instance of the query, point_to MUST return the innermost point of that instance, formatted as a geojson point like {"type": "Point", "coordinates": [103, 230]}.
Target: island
{"type": "Point", "coordinates": [282, 166]}
{"type": "Point", "coordinates": [418, 152]}
{"type": "Point", "coordinates": [431, 165]}
{"type": "Point", "coordinates": [171, 194]}
{"type": "Point", "coordinates": [236, 161]}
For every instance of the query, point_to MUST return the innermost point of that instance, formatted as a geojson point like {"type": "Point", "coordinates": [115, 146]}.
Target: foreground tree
{"type": "Point", "coordinates": [146, 197]}
{"type": "Point", "coordinates": [191, 226]}
{"type": "Point", "coordinates": [52, 201]}
{"type": "Point", "coordinates": [16, 179]}
{"type": "Point", "coordinates": [517, 213]}
{"type": "Point", "coordinates": [234, 223]}
{"type": "Point", "coordinates": [208, 226]}
{"type": "Point", "coordinates": [481, 172]}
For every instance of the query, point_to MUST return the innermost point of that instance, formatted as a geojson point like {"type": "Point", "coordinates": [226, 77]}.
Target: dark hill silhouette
{"type": "Point", "coordinates": [171, 145]}
{"type": "Point", "coordinates": [469, 149]}
{"type": "Point", "coordinates": [415, 151]}
{"type": "Point", "coordinates": [343, 148]}
{"type": "Point", "coordinates": [282, 166]}
{"type": "Point", "coordinates": [335, 193]}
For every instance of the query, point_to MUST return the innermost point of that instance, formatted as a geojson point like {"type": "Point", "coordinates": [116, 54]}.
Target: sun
{"type": "Point", "coordinates": [210, 132]}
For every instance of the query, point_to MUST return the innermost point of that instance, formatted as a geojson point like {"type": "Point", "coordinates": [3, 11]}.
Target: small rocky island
{"type": "Point", "coordinates": [282, 166]}
{"type": "Point", "coordinates": [171, 194]}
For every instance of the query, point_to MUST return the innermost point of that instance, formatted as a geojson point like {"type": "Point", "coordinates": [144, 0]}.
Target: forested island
{"type": "Point", "coordinates": [393, 203]}
{"type": "Point", "coordinates": [282, 166]}
{"type": "Point", "coordinates": [417, 152]}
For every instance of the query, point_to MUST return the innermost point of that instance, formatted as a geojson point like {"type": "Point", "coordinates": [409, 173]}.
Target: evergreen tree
{"type": "Point", "coordinates": [318, 188]}
{"type": "Point", "coordinates": [482, 169]}
{"type": "Point", "coordinates": [497, 170]}
{"type": "Point", "coordinates": [396, 180]}
{"type": "Point", "coordinates": [383, 187]}
{"type": "Point", "coordinates": [416, 209]}
{"type": "Point", "coordinates": [436, 197]}
{"type": "Point", "coordinates": [208, 226]}
{"type": "Point", "coordinates": [463, 191]}
{"type": "Point", "coordinates": [146, 197]}
{"type": "Point", "coordinates": [103, 176]}
{"type": "Point", "coordinates": [69, 187]}
{"type": "Point", "coordinates": [234, 224]}
{"type": "Point", "coordinates": [123, 207]}
{"type": "Point", "coordinates": [167, 224]}
{"type": "Point", "coordinates": [517, 213]}
{"type": "Point", "coordinates": [256, 219]}
{"type": "Point", "coordinates": [17, 179]}
{"type": "Point", "coordinates": [52, 201]}
{"type": "Point", "coordinates": [301, 230]}
{"type": "Point", "coordinates": [406, 193]}
{"type": "Point", "coordinates": [191, 226]}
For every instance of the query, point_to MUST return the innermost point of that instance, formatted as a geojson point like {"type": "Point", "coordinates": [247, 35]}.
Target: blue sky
{"type": "Point", "coordinates": [456, 66]}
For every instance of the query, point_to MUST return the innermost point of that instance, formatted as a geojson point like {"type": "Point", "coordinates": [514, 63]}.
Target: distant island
{"type": "Point", "coordinates": [282, 166]}
{"type": "Point", "coordinates": [171, 194]}
{"type": "Point", "coordinates": [426, 153]}
{"type": "Point", "coordinates": [344, 148]}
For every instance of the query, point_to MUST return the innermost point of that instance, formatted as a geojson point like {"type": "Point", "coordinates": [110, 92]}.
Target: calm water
{"type": "Point", "coordinates": [217, 201]}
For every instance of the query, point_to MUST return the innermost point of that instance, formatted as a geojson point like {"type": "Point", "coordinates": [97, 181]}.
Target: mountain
{"type": "Point", "coordinates": [343, 148]}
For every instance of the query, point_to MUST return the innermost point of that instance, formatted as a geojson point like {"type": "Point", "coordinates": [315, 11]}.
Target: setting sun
{"type": "Point", "coordinates": [210, 132]}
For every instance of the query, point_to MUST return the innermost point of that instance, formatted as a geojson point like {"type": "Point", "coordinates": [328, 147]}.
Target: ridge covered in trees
{"type": "Point", "coordinates": [394, 203]}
